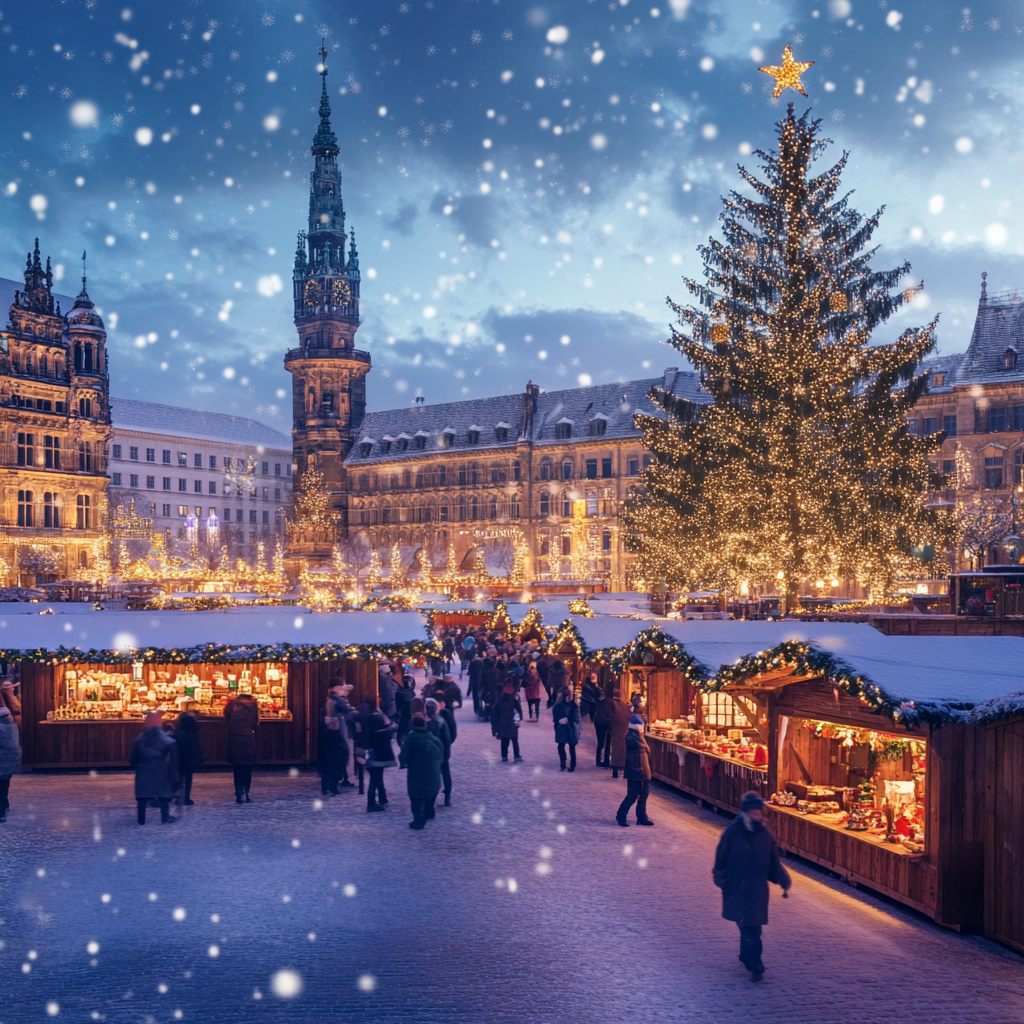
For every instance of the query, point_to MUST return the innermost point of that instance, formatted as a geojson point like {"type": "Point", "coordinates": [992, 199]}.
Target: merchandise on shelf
{"type": "Point", "coordinates": [863, 780]}
{"type": "Point", "coordinates": [95, 693]}
{"type": "Point", "coordinates": [733, 744]}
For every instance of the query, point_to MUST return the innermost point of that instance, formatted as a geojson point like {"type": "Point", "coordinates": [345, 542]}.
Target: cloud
{"type": "Point", "coordinates": [403, 220]}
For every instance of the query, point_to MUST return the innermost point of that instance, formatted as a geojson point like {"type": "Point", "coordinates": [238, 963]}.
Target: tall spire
{"type": "Point", "coordinates": [325, 138]}
{"type": "Point", "coordinates": [83, 294]}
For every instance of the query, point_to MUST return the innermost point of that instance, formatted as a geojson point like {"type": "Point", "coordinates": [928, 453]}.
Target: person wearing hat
{"type": "Point", "coordinates": [745, 862]}
{"type": "Point", "coordinates": [421, 756]}
{"type": "Point", "coordinates": [637, 774]}
{"type": "Point", "coordinates": [155, 760]}
{"type": "Point", "coordinates": [10, 756]}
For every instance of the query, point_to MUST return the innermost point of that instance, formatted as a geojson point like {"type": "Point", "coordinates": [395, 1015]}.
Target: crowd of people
{"type": "Point", "coordinates": [423, 726]}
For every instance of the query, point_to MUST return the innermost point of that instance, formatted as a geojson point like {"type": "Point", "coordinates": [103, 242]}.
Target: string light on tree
{"type": "Point", "coordinates": [801, 467]}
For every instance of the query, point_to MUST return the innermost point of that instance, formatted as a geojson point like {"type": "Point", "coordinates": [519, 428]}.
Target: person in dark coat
{"type": "Point", "coordinates": [604, 715]}
{"type": "Point", "coordinates": [590, 694]}
{"type": "Point", "coordinates": [621, 712]}
{"type": "Point", "coordinates": [637, 774]}
{"type": "Point", "coordinates": [387, 687]}
{"type": "Point", "coordinates": [745, 862]}
{"type": "Point", "coordinates": [190, 754]}
{"type": "Point", "coordinates": [243, 715]}
{"type": "Point", "coordinates": [568, 726]}
{"type": "Point", "coordinates": [10, 756]}
{"type": "Point", "coordinates": [557, 676]}
{"type": "Point", "coordinates": [421, 756]}
{"type": "Point", "coordinates": [437, 725]}
{"type": "Point", "coordinates": [544, 670]}
{"type": "Point", "coordinates": [334, 765]}
{"type": "Point", "coordinates": [403, 698]}
{"type": "Point", "coordinates": [154, 757]}
{"type": "Point", "coordinates": [450, 692]}
{"type": "Point", "coordinates": [476, 668]}
{"type": "Point", "coordinates": [379, 755]}
{"type": "Point", "coordinates": [506, 714]}
{"type": "Point", "coordinates": [489, 689]}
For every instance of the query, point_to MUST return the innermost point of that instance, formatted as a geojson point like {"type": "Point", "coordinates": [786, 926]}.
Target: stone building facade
{"type": "Point", "coordinates": [55, 415]}
{"type": "Point", "coordinates": [227, 475]}
{"type": "Point", "coordinates": [547, 470]}
{"type": "Point", "coordinates": [977, 399]}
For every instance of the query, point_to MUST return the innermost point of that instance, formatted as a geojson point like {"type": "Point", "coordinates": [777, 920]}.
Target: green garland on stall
{"type": "Point", "coordinates": [653, 640]}
{"type": "Point", "coordinates": [805, 659]}
{"type": "Point", "coordinates": [221, 654]}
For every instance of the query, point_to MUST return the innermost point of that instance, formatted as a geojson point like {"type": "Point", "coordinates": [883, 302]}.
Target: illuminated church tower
{"type": "Point", "coordinates": [328, 373]}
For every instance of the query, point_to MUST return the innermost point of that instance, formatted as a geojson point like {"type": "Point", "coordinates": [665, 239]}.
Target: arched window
{"type": "Point", "coordinates": [566, 504]}
{"type": "Point", "coordinates": [85, 457]}
{"type": "Point", "coordinates": [1010, 359]}
{"type": "Point", "coordinates": [567, 469]}
{"type": "Point", "coordinates": [25, 508]}
{"type": "Point", "coordinates": [474, 508]}
{"type": "Point", "coordinates": [545, 470]}
{"type": "Point", "coordinates": [88, 359]}
{"type": "Point", "coordinates": [44, 366]}
{"type": "Point", "coordinates": [83, 559]}
{"type": "Point", "coordinates": [492, 510]}
{"type": "Point", "coordinates": [545, 503]}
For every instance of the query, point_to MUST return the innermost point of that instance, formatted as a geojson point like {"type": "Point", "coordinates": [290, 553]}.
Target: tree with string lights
{"type": "Point", "coordinates": [313, 500]}
{"type": "Point", "coordinates": [801, 467]}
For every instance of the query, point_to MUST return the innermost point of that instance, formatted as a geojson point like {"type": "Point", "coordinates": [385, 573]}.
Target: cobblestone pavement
{"type": "Point", "coordinates": [522, 903]}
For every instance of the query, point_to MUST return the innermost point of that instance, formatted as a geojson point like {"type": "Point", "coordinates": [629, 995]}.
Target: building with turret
{"type": "Point", "coordinates": [55, 421]}
{"type": "Point", "coordinates": [328, 371]}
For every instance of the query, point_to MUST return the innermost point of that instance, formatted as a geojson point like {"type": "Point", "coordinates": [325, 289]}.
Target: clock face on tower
{"type": "Point", "coordinates": [340, 293]}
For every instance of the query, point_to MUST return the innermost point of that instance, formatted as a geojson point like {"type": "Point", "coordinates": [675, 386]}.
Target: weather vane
{"type": "Point", "coordinates": [787, 76]}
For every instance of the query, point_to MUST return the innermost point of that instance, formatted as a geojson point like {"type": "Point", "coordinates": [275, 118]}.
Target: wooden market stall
{"type": "Point", "coordinates": [875, 769]}
{"type": "Point", "coordinates": [82, 706]}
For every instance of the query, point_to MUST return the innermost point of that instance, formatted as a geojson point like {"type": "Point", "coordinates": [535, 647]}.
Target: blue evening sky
{"type": "Point", "coordinates": [527, 181]}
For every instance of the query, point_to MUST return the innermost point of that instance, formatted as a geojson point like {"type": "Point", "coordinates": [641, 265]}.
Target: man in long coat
{"type": "Point", "coordinates": [421, 756]}
{"type": "Point", "coordinates": [154, 757]}
{"type": "Point", "coordinates": [243, 716]}
{"type": "Point", "coordinates": [745, 862]}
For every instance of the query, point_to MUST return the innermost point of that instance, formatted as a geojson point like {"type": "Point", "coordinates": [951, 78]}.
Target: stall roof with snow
{"type": "Point", "coordinates": [185, 631]}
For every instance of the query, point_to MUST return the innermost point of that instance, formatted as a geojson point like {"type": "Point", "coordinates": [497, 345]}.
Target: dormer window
{"type": "Point", "coordinates": [402, 444]}
{"type": "Point", "coordinates": [365, 448]}
{"type": "Point", "coordinates": [598, 425]}
{"type": "Point", "coordinates": [938, 379]}
{"type": "Point", "coordinates": [501, 434]}
{"type": "Point", "coordinates": [1010, 359]}
{"type": "Point", "coordinates": [420, 442]}
{"type": "Point", "coordinates": [563, 430]}
{"type": "Point", "coordinates": [447, 438]}
{"type": "Point", "coordinates": [472, 436]}
{"type": "Point", "coordinates": [385, 446]}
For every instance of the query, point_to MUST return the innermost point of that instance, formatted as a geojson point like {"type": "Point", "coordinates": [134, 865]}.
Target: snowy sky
{"type": "Point", "coordinates": [527, 181]}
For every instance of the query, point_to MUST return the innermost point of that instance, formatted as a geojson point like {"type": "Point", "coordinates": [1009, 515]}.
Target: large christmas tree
{"type": "Point", "coordinates": [801, 468]}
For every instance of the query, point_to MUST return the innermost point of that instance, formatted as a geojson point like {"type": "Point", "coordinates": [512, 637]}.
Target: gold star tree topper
{"type": "Point", "coordinates": [788, 75]}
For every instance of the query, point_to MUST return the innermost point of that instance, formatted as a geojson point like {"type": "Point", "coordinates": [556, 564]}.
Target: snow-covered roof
{"type": "Point", "coordinates": [29, 631]}
{"type": "Point", "coordinates": [152, 417]}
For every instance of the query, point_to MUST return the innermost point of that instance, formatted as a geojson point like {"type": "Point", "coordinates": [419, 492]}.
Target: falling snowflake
{"type": "Point", "coordinates": [647, 51]}
{"type": "Point", "coordinates": [682, 53]}
{"type": "Point", "coordinates": [520, 182]}
{"type": "Point", "coordinates": [403, 133]}
{"type": "Point", "coordinates": [460, 374]}
{"type": "Point", "coordinates": [446, 126]}
{"type": "Point", "coordinates": [207, 60]}
{"type": "Point", "coordinates": [838, 115]}
{"type": "Point", "coordinates": [239, 88]}
{"type": "Point", "coordinates": [431, 51]}
{"type": "Point", "coordinates": [172, 235]}
{"type": "Point", "coordinates": [385, 373]}
{"type": "Point", "coordinates": [129, 219]}
{"type": "Point", "coordinates": [287, 57]}
{"type": "Point", "coordinates": [250, 209]}
{"type": "Point", "coordinates": [21, 92]}
{"type": "Point", "coordinates": [507, 35]}
{"type": "Point", "coordinates": [385, 30]}
{"type": "Point", "coordinates": [539, 193]}
{"type": "Point", "coordinates": [66, 93]}
{"type": "Point", "coordinates": [323, 29]}
{"type": "Point", "coordinates": [234, 55]}
{"type": "Point", "coordinates": [265, 203]}
{"type": "Point", "coordinates": [576, 361]}
{"type": "Point", "coordinates": [267, 20]}
{"type": "Point", "coordinates": [68, 55]}
{"type": "Point", "coordinates": [746, 88]}
{"type": "Point", "coordinates": [476, 38]}
{"type": "Point", "coordinates": [117, 120]}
